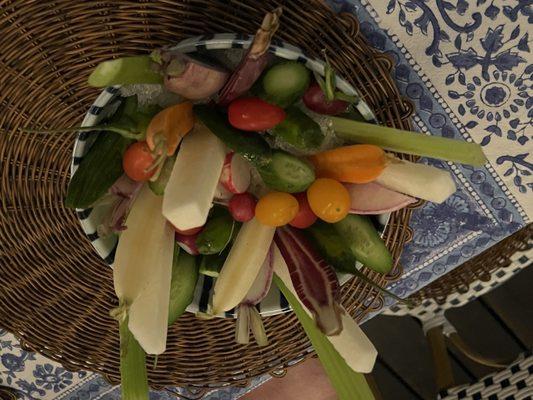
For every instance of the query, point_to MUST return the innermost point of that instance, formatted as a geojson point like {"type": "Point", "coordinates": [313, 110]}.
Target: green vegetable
{"type": "Point", "coordinates": [287, 173]}
{"type": "Point", "coordinates": [124, 71]}
{"type": "Point", "coordinates": [216, 234]}
{"type": "Point", "coordinates": [211, 265]}
{"type": "Point", "coordinates": [364, 242]}
{"type": "Point", "coordinates": [158, 186]}
{"type": "Point", "coordinates": [279, 170]}
{"type": "Point", "coordinates": [183, 283]}
{"type": "Point", "coordinates": [133, 376]}
{"type": "Point", "coordinates": [299, 130]}
{"type": "Point", "coordinates": [98, 171]}
{"type": "Point", "coordinates": [348, 384]}
{"type": "Point", "coordinates": [285, 83]}
{"type": "Point", "coordinates": [353, 114]}
{"type": "Point", "coordinates": [409, 142]}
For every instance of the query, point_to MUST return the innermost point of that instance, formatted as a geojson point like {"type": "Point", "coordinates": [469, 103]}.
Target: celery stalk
{"type": "Point", "coordinates": [133, 376]}
{"type": "Point", "coordinates": [409, 142]}
{"type": "Point", "coordinates": [124, 71]}
{"type": "Point", "coordinates": [348, 384]}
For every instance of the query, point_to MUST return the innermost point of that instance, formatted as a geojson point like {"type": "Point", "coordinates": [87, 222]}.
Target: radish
{"type": "Point", "coordinates": [242, 207]}
{"type": "Point", "coordinates": [222, 195]}
{"type": "Point", "coordinates": [372, 198]}
{"type": "Point", "coordinates": [417, 180]}
{"type": "Point", "coordinates": [247, 315]}
{"type": "Point", "coordinates": [236, 175]}
{"type": "Point", "coordinates": [188, 243]}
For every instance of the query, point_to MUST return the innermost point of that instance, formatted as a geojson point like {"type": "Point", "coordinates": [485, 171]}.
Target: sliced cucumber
{"type": "Point", "coordinates": [299, 130]}
{"type": "Point", "coordinates": [183, 283]}
{"type": "Point", "coordinates": [285, 83]}
{"type": "Point", "coordinates": [158, 186]}
{"type": "Point", "coordinates": [287, 173]}
{"type": "Point", "coordinates": [409, 142]}
{"type": "Point", "coordinates": [364, 242]}
{"type": "Point", "coordinates": [124, 71]}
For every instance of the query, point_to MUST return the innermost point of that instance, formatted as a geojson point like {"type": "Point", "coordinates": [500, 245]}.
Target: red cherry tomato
{"type": "Point", "coordinates": [305, 217]}
{"type": "Point", "coordinates": [136, 160]}
{"type": "Point", "coordinates": [242, 207]}
{"type": "Point", "coordinates": [315, 100]}
{"type": "Point", "coordinates": [254, 114]}
{"type": "Point", "coordinates": [189, 232]}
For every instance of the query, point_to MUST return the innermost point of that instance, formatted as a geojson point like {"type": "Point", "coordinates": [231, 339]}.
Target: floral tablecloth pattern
{"type": "Point", "coordinates": [467, 67]}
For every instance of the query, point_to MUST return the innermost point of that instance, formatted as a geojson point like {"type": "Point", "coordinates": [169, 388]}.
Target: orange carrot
{"type": "Point", "coordinates": [171, 125]}
{"type": "Point", "coordinates": [360, 163]}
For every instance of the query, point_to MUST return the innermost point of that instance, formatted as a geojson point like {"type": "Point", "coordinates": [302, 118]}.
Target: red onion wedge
{"type": "Point", "coordinates": [247, 315]}
{"type": "Point", "coordinates": [315, 281]}
{"type": "Point", "coordinates": [188, 243]}
{"type": "Point", "coordinates": [372, 198]}
{"type": "Point", "coordinates": [254, 61]}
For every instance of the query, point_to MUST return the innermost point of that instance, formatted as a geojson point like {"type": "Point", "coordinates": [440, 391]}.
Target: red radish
{"type": "Point", "coordinates": [242, 207]}
{"type": "Point", "coordinates": [254, 114]}
{"type": "Point", "coordinates": [315, 100]}
{"type": "Point", "coordinates": [313, 278]}
{"type": "Point", "coordinates": [189, 232]}
{"type": "Point", "coordinates": [372, 198]}
{"type": "Point", "coordinates": [305, 217]}
{"type": "Point", "coordinates": [236, 173]}
{"type": "Point", "coordinates": [188, 243]}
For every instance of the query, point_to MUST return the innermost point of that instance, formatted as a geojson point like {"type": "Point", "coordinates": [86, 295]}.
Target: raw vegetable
{"type": "Point", "coordinates": [305, 217]}
{"type": "Point", "coordinates": [138, 162]}
{"type": "Point", "coordinates": [124, 71]}
{"type": "Point", "coordinates": [191, 188]}
{"type": "Point", "coordinates": [372, 198]}
{"type": "Point", "coordinates": [158, 185]}
{"type": "Point", "coordinates": [417, 180]}
{"type": "Point", "coordinates": [216, 234]}
{"type": "Point", "coordinates": [285, 83]}
{"type": "Point", "coordinates": [299, 130]}
{"type": "Point", "coordinates": [250, 249]}
{"type": "Point", "coordinates": [254, 61]}
{"type": "Point", "coordinates": [315, 281]}
{"type": "Point", "coordinates": [182, 284]}
{"type": "Point", "coordinates": [210, 265]}
{"type": "Point", "coordinates": [315, 100]}
{"type": "Point", "coordinates": [247, 315]}
{"type": "Point", "coordinates": [98, 171]}
{"type": "Point", "coordinates": [236, 174]}
{"type": "Point", "coordinates": [279, 170]}
{"type": "Point", "coordinates": [142, 271]}
{"type": "Point", "coordinates": [354, 164]}
{"type": "Point", "coordinates": [254, 114]}
{"type": "Point", "coordinates": [188, 242]}
{"type": "Point", "coordinates": [242, 207]}
{"type": "Point", "coordinates": [222, 195]}
{"type": "Point", "coordinates": [168, 127]}
{"type": "Point", "coordinates": [409, 142]}
{"type": "Point", "coordinates": [287, 173]}
{"type": "Point", "coordinates": [276, 209]}
{"type": "Point", "coordinates": [364, 242]}
{"type": "Point", "coordinates": [189, 232]}
{"type": "Point", "coordinates": [329, 200]}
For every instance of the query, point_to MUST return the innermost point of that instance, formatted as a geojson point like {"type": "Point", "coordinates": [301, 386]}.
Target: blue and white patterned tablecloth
{"type": "Point", "coordinates": [467, 66]}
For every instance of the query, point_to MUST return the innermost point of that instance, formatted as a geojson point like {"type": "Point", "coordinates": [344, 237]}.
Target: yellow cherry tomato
{"type": "Point", "coordinates": [276, 209]}
{"type": "Point", "coordinates": [328, 199]}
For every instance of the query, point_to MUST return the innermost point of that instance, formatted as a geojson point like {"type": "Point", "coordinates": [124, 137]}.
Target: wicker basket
{"type": "Point", "coordinates": [56, 292]}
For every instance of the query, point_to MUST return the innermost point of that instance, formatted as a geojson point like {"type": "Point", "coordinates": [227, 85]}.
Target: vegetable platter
{"type": "Point", "coordinates": [296, 171]}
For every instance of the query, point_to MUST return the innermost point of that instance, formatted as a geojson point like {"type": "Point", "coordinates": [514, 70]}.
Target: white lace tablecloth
{"type": "Point", "coordinates": [467, 67]}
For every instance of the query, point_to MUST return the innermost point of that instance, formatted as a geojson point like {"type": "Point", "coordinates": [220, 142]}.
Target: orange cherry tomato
{"type": "Point", "coordinates": [276, 209]}
{"type": "Point", "coordinates": [137, 160]}
{"type": "Point", "coordinates": [328, 199]}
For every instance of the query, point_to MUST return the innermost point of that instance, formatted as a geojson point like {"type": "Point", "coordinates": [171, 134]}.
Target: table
{"type": "Point", "coordinates": [468, 69]}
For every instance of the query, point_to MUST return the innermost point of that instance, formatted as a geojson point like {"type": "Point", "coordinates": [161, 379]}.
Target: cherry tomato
{"type": "Point", "coordinates": [305, 217]}
{"type": "Point", "coordinates": [189, 232]}
{"type": "Point", "coordinates": [242, 207]}
{"type": "Point", "coordinates": [276, 209]}
{"type": "Point", "coordinates": [329, 199]}
{"type": "Point", "coordinates": [137, 158]}
{"type": "Point", "coordinates": [315, 100]}
{"type": "Point", "coordinates": [254, 114]}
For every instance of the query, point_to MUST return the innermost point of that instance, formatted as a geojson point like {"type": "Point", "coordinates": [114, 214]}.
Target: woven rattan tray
{"type": "Point", "coordinates": [55, 292]}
